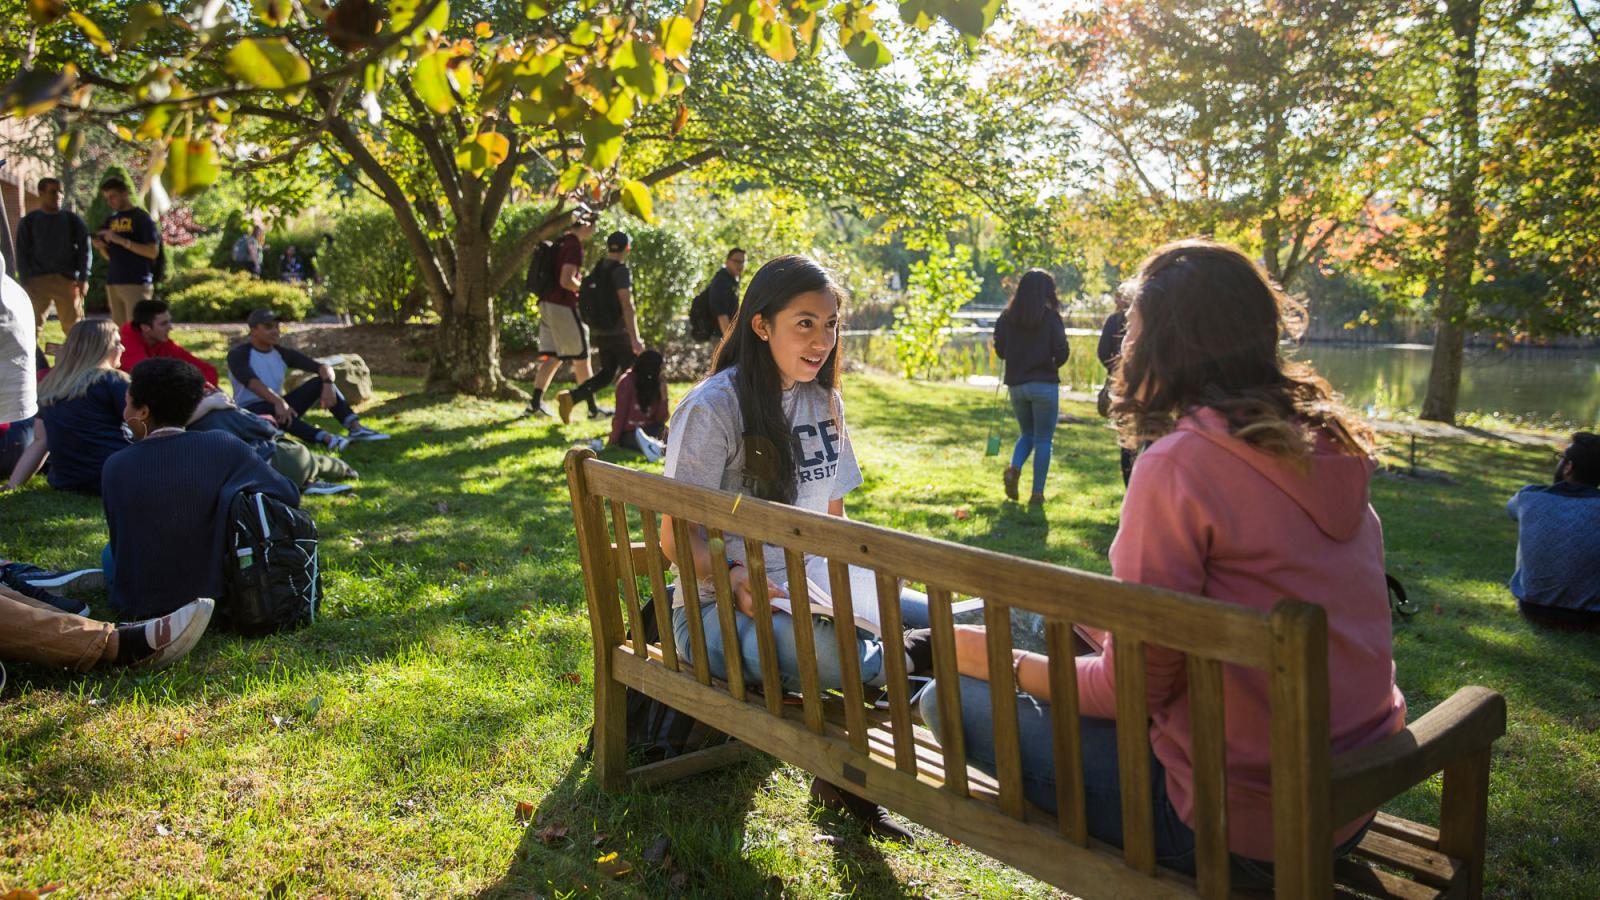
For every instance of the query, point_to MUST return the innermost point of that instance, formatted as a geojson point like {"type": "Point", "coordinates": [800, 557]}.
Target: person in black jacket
{"type": "Point", "coordinates": [53, 257]}
{"type": "Point", "coordinates": [1033, 342]}
{"type": "Point", "coordinates": [1110, 352]}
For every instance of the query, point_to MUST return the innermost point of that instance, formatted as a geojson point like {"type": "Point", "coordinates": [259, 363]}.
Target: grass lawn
{"type": "Point", "coordinates": [384, 751]}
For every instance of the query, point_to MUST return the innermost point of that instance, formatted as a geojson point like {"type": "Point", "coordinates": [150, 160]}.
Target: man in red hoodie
{"type": "Point", "coordinates": [149, 333]}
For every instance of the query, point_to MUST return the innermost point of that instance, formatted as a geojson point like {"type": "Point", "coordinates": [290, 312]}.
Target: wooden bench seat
{"type": "Point", "coordinates": [885, 755]}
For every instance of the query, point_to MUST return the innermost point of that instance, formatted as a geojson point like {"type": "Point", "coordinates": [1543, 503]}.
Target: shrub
{"type": "Point", "coordinates": [519, 331]}
{"type": "Point", "coordinates": [230, 296]}
{"type": "Point", "coordinates": [184, 279]}
{"type": "Point", "coordinates": [668, 271]}
{"type": "Point", "coordinates": [368, 267]}
{"type": "Point", "coordinates": [938, 287]}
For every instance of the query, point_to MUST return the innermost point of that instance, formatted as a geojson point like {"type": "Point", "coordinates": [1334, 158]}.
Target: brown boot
{"type": "Point", "coordinates": [1012, 475]}
{"type": "Point", "coordinates": [873, 818]}
{"type": "Point", "coordinates": [1036, 500]}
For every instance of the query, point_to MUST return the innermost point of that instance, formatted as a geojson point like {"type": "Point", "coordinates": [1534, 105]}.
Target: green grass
{"type": "Point", "coordinates": [383, 751]}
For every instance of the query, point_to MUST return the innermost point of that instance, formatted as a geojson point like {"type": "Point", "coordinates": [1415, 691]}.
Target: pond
{"type": "Point", "coordinates": [1557, 388]}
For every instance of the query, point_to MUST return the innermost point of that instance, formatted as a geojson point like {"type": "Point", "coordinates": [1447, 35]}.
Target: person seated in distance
{"type": "Point", "coordinates": [1557, 579]}
{"type": "Point", "coordinates": [167, 496]}
{"type": "Point", "coordinates": [258, 366]}
{"type": "Point", "coordinates": [149, 334]}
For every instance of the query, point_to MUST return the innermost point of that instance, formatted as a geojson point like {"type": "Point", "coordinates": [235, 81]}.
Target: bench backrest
{"type": "Point", "coordinates": [1289, 646]}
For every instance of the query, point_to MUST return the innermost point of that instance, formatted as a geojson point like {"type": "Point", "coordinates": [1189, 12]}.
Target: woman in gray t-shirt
{"type": "Point", "coordinates": [770, 423]}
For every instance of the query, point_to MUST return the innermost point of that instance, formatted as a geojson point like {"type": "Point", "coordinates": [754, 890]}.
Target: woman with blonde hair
{"type": "Point", "coordinates": [80, 411]}
{"type": "Point", "coordinates": [1253, 488]}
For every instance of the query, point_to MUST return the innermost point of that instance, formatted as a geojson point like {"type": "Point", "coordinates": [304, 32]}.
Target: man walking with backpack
{"type": "Point", "coordinates": [712, 311]}
{"type": "Point", "coordinates": [53, 258]}
{"type": "Point", "coordinates": [554, 277]}
{"type": "Point", "coordinates": [606, 303]}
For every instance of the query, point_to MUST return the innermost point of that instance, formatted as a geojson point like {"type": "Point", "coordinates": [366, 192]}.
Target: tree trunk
{"type": "Point", "coordinates": [466, 350]}
{"type": "Point", "coordinates": [1461, 219]}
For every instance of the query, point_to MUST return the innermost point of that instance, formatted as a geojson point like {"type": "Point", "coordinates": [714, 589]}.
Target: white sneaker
{"type": "Point", "coordinates": [360, 432]}
{"type": "Point", "coordinates": [652, 449]}
{"type": "Point", "coordinates": [314, 488]}
{"type": "Point", "coordinates": [336, 443]}
{"type": "Point", "coordinates": [175, 634]}
{"type": "Point", "coordinates": [81, 579]}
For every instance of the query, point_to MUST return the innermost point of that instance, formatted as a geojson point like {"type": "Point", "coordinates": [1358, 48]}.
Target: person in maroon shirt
{"type": "Point", "coordinates": [640, 421]}
{"type": "Point", "coordinates": [561, 332]}
{"type": "Point", "coordinates": [149, 334]}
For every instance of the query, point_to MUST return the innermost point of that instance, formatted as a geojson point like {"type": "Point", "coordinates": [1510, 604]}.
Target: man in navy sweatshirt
{"type": "Point", "coordinates": [53, 258]}
{"type": "Point", "coordinates": [167, 502]}
{"type": "Point", "coordinates": [1557, 581]}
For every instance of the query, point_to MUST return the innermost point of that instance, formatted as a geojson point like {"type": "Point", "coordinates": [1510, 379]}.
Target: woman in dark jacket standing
{"type": "Point", "coordinates": [1031, 339]}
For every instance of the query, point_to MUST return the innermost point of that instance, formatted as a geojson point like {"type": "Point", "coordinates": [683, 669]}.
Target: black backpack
{"type": "Point", "coordinates": [598, 304]}
{"type": "Point", "coordinates": [655, 730]}
{"type": "Point", "coordinates": [272, 580]}
{"type": "Point", "coordinates": [702, 324]}
{"type": "Point", "coordinates": [543, 278]}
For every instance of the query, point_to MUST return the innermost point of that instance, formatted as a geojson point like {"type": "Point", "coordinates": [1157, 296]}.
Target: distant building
{"type": "Point", "coordinates": [19, 178]}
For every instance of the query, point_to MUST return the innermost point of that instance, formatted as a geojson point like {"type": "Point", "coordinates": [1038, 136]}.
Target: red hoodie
{"type": "Point", "coordinates": [135, 350]}
{"type": "Point", "coordinates": [1208, 514]}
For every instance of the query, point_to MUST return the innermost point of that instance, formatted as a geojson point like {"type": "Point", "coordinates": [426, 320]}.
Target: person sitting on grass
{"type": "Point", "coordinates": [258, 366]}
{"type": "Point", "coordinates": [1557, 579]}
{"type": "Point", "coordinates": [149, 334]}
{"type": "Point", "coordinates": [314, 473]}
{"type": "Point", "coordinates": [640, 422]}
{"type": "Point", "coordinates": [1255, 488]}
{"type": "Point", "coordinates": [167, 496]}
{"type": "Point", "coordinates": [79, 425]}
{"type": "Point", "coordinates": [33, 632]}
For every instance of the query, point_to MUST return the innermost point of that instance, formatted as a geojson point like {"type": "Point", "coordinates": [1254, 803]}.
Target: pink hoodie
{"type": "Point", "coordinates": [1207, 514]}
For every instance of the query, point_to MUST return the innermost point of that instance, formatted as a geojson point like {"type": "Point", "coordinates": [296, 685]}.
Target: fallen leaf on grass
{"type": "Point", "coordinates": [658, 851]}
{"type": "Point", "coordinates": [464, 566]}
{"type": "Point", "coordinates": [571, 677]}
{"type": "Point", "coordinates": [613, 867]}
{"type": "Point", "coordinates": [163, 830]}
{"type": "Point", "coordinates": [524, 811]}
{"type": "Point", "coordinates": [549, 834]}
{"type": "Point", "coordinates": [26, 894]}
{"type": "Point", "coordinates": [963, 514]}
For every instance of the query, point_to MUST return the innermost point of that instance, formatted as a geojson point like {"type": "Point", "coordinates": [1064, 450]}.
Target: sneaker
{"type": "Point", "coordinates": [919, 648]}
{"type": "Point", "coordinates": [79, 579]}
{"type": "Point", "coordinates": [597, 445]}
{"type": "Point", "coordinates": [175, 634]}
{"type": "Point", "coordinates": [14, 576]}
{"type": "Point", "coordinates": [360, 432]}
{"type": "Point", "coordinates": [564, 404]}
{"type": "Point", "coordinates": [325, 487]}
{"type": "Point", "coordinates": [873, 818]}
{"type": "Point", "coordinates": [336, 443]}
{"type": "Point", "coordinates": [600, 412]}
{"type": "Point", "coordinates": [649, 446]}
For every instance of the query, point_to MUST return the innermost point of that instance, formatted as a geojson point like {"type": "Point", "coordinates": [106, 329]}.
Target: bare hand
{"type": "Point", "coordinates": [638, 346]}
{"type": "Point", "coordinates": [743, 597]}
{"type": "Point", "coordinates": [283, 413]}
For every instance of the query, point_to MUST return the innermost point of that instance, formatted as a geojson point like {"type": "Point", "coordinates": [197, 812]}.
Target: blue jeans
{"type": "Point", "coordinates": [913, 610]}
{"type": "Point", "coordinates": [1102, 787]}
{"type": "Point", "coordinates": [15, 440]}
{"type": "Point", "coordinates": [1036, 405]}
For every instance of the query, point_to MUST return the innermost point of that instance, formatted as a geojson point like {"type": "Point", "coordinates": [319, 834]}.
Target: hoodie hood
{"type": "Point", "coordinates": [1333, 491]}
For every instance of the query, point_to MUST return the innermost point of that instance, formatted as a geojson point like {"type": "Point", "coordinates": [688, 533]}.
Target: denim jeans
{"type": "Point", "coordinates": [1036, 405]}
{"type": "Point", "coordinates": [12, 442]}
{"type": "Point", "coordinates": [1102, 787]}
{"type": "Point", "coordinates": [870, 650]}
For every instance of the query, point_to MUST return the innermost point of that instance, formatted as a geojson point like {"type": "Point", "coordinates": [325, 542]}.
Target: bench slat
{"type": "Point", "coordinates": [623, 551]}
{"type": "Point", "coordinates": [732, 660]}
{"type": "Point", "coordinates": [894, 662]}
{"type": "Point", "coordinates": [766, 643]}
{"type": "Point", "coordinates": [1406, 830]}
{"type": "Point", "coordinates": [844, 628]}
{"type": "Point", "coordinates": [948, 685]}
{"type": "Point", "coordinates": [1066, 734]}
{"type": "Point", "coordinates": [1209, 756]}
{"type": "Point", "coordinates": [1356, 880]}
{"type": "Point", "coordinates": [805, 640]}
{"type": "Point", "coordinates": [1003, 700]}
{"type": "Point", "coordinates": [1427, 866]}
{"type": "Point", "coordinates": [689, 587]}
{"type": "Point", "coordinates": [658, 587]}
{"type": "Point", "coordinates": [1133, 754]}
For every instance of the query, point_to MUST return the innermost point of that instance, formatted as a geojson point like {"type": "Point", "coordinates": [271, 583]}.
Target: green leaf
{"type": "Point", "coordinates": [482, 152]}
{"type": "Point", "coordinates": [536, 9]}
{"type": "Point", "coordinates": [619, 107]}
{"type": "Point", "coordinates": [531, 112]}
{"type": "Point", "coordinates": [191, 167]}
{"type": "Point", "coordinates": [602, 143]}
{"type": "Point", "coordinates": [677, 34]}
{"type": "Point", "coordinates": [918, 13]}
{"type": "Point", "coordinates": [636, 67]}
{"type": "Point", "coordinates": [584, 34]}
{"type": "Point", "coordinates": [636, 200]}
{"type": "Point", "coordinates": [431, 78]}
{"type": "Point", "coordinates": [141, 18]}
{"type": "Point", "coordinates": [971, 17]}
{"type": "Point", "coordinates": [268, 63]}
{"type": "Point", "coordinates": [37, 90]}
{"type": "Point", "coordinates": [866, 51]}
{"type": "Point", "coordinates": [44, 12]}
{"type": "Point", "coordinates": [273, 12]}
{"type": "Point", "coordinates": [92, 32]}
{"type": "Point", "coordinates": [571, 178]}
{"type": "Point", "coordinates": [154, 124]}
{"type": "Point", "coordinates": [778, 40]}
{"type": "Point", "coordinates": [404, 17]}
{"type": "Point", "coordinates": [70, 143]}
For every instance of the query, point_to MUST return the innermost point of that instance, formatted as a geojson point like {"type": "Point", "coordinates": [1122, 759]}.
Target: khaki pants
{"type": "Point", "coordinates": [60, 290]}
{"type": "Point", "coordinates": [35, 632]}
{"type": "Point", "coordinates": [122, 297]}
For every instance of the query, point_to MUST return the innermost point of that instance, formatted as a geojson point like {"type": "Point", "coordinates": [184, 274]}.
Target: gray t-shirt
{"type": "Point", "coordinates": [706, 448]}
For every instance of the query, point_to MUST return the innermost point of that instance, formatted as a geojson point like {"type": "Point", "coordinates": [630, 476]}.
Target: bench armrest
{"type": "Point", "coordinates": [1367, 777]}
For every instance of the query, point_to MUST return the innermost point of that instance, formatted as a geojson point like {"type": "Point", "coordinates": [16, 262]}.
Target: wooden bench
{"type": "Point", "coordinates": [884, 755]}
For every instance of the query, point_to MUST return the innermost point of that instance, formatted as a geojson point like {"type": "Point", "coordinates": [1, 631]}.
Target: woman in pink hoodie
{"type": "Point", "coordinates": [1253, 487]}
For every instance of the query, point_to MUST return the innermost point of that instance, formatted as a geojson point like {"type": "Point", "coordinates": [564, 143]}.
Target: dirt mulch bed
{"type": "Point", "coordinates": [401, 350]}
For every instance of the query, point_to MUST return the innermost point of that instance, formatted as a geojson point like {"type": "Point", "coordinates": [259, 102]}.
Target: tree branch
{"type": "Point", "coordinates": [443, 162]}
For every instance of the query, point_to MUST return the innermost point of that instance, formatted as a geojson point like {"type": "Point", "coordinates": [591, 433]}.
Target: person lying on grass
{"type": "Point", "coordinates": [167, 496]}
{"type": "Point", "coordinates": [769, 422]}
{"type": "Point", "coordinates": [1254, 489]}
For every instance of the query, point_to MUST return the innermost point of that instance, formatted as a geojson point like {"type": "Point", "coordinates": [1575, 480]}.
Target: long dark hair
{"type": "Point", "coordinates": [1035, 298]}
{"type": "Point", "coordinates": [647, 379]}
{"type": "Point", "coordinates": [1210, 323]}
{"type": "Point", "coordinates": [769, 443]}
